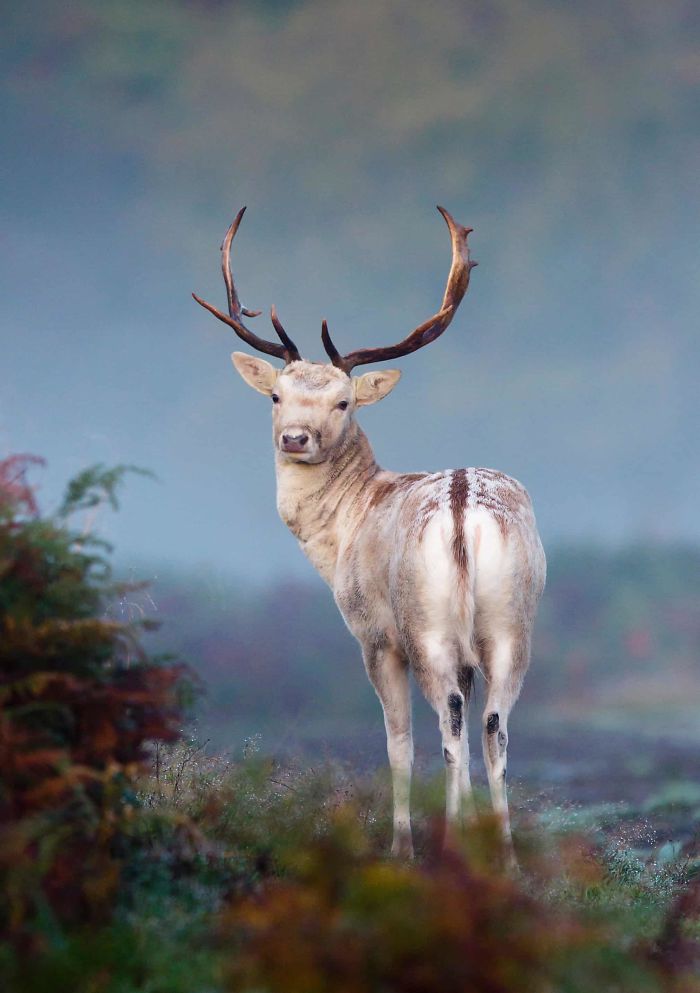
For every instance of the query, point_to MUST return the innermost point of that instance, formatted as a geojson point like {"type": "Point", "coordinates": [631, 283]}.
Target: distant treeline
{"type": "Point", "coordinates": [617, 643]}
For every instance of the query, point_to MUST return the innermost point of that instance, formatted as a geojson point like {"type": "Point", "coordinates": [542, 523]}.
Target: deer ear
{"type": "Point", "coordinates": [257, 372]}
{"type": "Point", "coordinates": [373, 386]}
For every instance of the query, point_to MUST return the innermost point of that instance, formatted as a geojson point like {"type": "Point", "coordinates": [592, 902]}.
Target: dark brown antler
{"type": "Point", "coordinates": [457, 283]}
{"type": "Point", "coordinates": [287, 350]}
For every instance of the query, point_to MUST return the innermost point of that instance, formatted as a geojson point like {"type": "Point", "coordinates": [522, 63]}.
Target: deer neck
{"type": "Point", "coordinates": [316, 502]}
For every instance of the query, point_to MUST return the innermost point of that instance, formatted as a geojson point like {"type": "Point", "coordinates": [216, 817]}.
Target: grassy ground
{"type": "Point", "coordinates": [130, 866]}
{"type": "Point", "coordinates": [250, 875]}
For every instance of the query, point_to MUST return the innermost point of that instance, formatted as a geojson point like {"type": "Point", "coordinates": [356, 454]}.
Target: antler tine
{"type": "Point", "coordinates": [332, 352]}
{"type": "Point", "coordinates": [287, 350]}
{"type": "Point", "coordinates": [234, 304]}
{"type": "Point", "coordinates": [282, 334]}
{"type": "Point", "coordinates": [457, 284]}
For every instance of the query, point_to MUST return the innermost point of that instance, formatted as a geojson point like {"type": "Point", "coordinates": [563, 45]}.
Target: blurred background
{"type": "Point", "coordinates": [567, 136]}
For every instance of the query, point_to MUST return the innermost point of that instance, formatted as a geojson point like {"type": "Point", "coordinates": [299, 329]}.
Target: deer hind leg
{"type": "Point", "coordinates": [446, 682]}
{"type": "Point", "coordinates": [465, 680]}
{"type": "Point", "coordinates": [388, 673]}
{"type": "Point", "coordinates": [505, 661]}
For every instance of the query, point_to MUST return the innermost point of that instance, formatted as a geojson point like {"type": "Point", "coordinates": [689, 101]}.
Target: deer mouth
{"type": "Point", "coordinates": [306, 452]}
{"type": "Point", "coordinates": [294, 448]}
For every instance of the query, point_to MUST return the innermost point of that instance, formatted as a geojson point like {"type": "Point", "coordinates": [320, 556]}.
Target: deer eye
{"type": "Point", "coordinates": [275, 398]}
{"type": "Point", "coordinates": [343, 405]}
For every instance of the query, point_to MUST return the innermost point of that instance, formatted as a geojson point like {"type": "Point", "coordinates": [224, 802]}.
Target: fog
{"type": "Point", "coordinates": [569, 139]}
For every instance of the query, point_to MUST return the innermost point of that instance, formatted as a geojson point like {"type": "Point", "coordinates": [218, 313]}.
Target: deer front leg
{"type": "Point", "coordinates": [388, 673]}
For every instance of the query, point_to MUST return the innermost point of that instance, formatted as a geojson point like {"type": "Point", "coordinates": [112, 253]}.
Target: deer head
{"type": "Point", "coordinates": [314, 403]}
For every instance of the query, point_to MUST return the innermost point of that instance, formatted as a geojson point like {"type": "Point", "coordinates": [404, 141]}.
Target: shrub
{"type": "Point", "coordinates": [79, 701]}
{"type": "Point", "coordinates": [344, 921]}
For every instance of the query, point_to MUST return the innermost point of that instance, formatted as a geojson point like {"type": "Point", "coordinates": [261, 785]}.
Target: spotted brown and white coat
{"type": "Point", "coordinates": [438, 574]}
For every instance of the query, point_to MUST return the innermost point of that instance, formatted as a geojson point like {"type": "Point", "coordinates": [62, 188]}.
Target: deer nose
{"type": "Point", "coordinates": [294, 442]}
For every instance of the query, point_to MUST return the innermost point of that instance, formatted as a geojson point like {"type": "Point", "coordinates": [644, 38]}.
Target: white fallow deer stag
{"type": "Point", "coordinates": [438, 573]}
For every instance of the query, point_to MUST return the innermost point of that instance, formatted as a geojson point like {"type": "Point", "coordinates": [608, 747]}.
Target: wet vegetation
{"type": "Point", "coordinates": [134, 857]}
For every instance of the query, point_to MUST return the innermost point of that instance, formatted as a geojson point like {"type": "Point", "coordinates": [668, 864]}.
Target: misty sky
{"type": "Point", "coordinates": [568, 137]}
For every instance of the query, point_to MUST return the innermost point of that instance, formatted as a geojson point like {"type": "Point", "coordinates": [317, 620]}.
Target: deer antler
{"type": "Point", "coordinates": [457, 283]}
{"type": "Point", "coordinates": [287, 350]}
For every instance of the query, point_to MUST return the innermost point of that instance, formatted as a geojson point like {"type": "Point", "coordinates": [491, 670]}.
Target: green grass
{"type": "Point", "coordinates": [224, 859]}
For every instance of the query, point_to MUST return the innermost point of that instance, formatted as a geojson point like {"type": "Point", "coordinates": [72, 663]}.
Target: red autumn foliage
{"type": "Point", "coordinates": [80, 701]}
